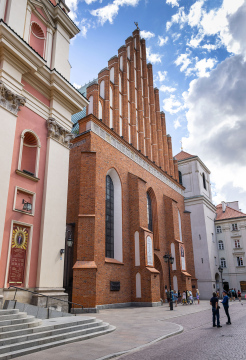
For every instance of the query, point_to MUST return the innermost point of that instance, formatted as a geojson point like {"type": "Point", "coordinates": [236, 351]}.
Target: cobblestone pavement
{"type": "Point", "coordinates": [200, 341]}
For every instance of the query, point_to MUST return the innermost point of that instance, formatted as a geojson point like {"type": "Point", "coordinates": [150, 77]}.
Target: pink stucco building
{"type": "Point", "coordinates": [36, 104]}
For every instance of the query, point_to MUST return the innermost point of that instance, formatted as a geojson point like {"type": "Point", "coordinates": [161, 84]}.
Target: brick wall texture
{"type": "Point", "coordinates": [129, 111]}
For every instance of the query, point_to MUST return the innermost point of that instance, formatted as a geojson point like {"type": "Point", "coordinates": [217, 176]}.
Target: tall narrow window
{"type": "Point", "coordinates": [218, 229]}
{"type": "Point", "coordinates": [109, 218]}
{"type": "Point", "coordinates": [221, 245]}
{"type": "Point", "coordinates": [180, 227]}
{"type": "Point", "coordinates": [223, 262]}
{"type": "Point", "coordinates": [180, 178]}
{"type": "Point", "coordinates": [204, 181]}
{"type": "Point", "coordinates": [149, 213]}
{"type": "Point", "coordinates": [239, 261]}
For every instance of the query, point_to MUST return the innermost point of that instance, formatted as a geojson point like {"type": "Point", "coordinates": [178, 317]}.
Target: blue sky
{"type": "Point", "coordinates": [198, 52]}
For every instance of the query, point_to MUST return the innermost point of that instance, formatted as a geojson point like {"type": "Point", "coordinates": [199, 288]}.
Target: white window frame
{"type": "Point", "coordinates": [234, 227]}
{"type": "Point", "coordinates": [218, 229]}
{"type": "Point", "coordinates": [33, 201]}
{"type": "Point", "coordinates": [240, 261]}
{"type": "Point", "coordinates": [237, 241]}
{"type": "Point", "coordinates": [223, 262]}
{"type": "Point", "coordinates": [220, 245]}
{"type": "Point", "coordinates": [37, 153]}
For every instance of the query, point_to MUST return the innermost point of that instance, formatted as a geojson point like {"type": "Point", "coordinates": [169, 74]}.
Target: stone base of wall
{"type": "Point", "coordinates": [116, 306]}
{"type": "Point", "coordinates": [54, 298]}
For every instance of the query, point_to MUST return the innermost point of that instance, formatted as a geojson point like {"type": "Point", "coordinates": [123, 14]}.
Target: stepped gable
{"type": "Point", "coordinates": [125, 100]}
{"type": "Point", "coordinates": [182, 155]}
{"type": "Point", "coordinates": [229, 213]}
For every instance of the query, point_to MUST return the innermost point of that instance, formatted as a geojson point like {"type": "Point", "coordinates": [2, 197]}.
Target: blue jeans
{"type": "Point", "coordinates": [216, 313]}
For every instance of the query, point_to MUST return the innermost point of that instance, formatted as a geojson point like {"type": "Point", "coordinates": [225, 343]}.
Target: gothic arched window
{"type": "Point", "coordinates": [113, 219]}
{"type": "Point", "coordinates": [109, 232]}
{"type": "Point", "coordinates": [149, 213]}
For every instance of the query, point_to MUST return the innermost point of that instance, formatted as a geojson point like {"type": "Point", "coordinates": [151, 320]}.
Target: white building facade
{"type": "Point", "coordinates": [231, 238]}
{"type": "Point", "coordinates": [195, 177]}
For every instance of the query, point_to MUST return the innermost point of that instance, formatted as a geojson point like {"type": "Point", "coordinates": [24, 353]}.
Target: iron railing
{"type": "Point", "coordinates": [47, 300]}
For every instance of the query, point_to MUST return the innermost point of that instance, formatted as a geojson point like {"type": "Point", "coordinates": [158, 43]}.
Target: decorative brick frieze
{"type": "Point", "coordinates": [58, 133]}
{"type": "Point", "coordinates": [131, 155]}
{"type": "Point", "coordinates": [10, 100]}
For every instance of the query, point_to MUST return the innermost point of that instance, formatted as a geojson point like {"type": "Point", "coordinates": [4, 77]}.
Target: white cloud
{"type": "Point", "coordinates": [73, 6]}
{"type": "Point", "coordinates": [165, 88]}
{"type": "Point", "coordinates": [216, 119]}
{"type": "Point", "coordinates": [227, 23]}
{"type": "Point", "coordinates": [210, 47]}
{"type": "Point", "coordinates": [153, 58]}
{"type": "Point", "coordinates": [172, 2]}
{"type": "Point", "coordinates": [179, 18]}
{"type": "Point", "coordinates": [202, 66]}
{"type": "Point", "coordinates": [172, 105]}
{"type": "Point", "coordinates": [176, 124]}
{"type": "Point", "coordinates": [195, 13]}
{"type": "Point", "coordinates": [76, 86]}
{"type": "Point", "coordinates": [162, 41]}
{"type": "Point", "coordinates": [88, 2]}
{"type": "Point", "coordinates": [84, 26]}
{"type": "Point", "coordinates": [184, 61]}
{"type": "Point", "coordinates": [146, 34]}
{"type": "Point", "coordinates": [110, 11]}
{"type": "Point", "coordinates": [161, 75]}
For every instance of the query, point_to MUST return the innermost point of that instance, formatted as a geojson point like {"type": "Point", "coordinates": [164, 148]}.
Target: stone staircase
{"type": "Point", "coordinates": [22, 334]}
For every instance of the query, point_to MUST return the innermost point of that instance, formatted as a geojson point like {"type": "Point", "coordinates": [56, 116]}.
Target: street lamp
{"type": "Point", "coordinates": [220, 268]}
{"type": "Point", "coordinates": [169, 259]}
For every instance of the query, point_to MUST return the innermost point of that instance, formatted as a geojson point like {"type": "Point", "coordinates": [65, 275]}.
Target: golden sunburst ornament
{"type": "Point", "coordinates": [20, 238]}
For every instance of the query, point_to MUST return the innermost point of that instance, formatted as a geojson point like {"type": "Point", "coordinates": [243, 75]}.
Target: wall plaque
{"type": "Point", "coordinates": [19, 244]}
{"type": "Point", "coordinates": [114, 285]}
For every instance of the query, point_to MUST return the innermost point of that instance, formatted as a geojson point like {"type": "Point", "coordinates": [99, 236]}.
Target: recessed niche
{"type": "Point", "coordinates": [24, 201]}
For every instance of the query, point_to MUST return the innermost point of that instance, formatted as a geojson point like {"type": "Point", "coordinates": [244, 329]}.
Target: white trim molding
{"type": "Point", "coordinates": [131, 155]}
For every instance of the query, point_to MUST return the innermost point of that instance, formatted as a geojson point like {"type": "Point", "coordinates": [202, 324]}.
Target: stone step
{"type": "Point", "coordinates": [26, 319]}
{"type": "Point", "coordinates": [9, 311]}
{"type": "Point", "coordinates": [44, 331]}
{"type": "Point", "coordinates": [45, 326]}
{"type": "Point", "coordinates": [24, 351]}
{"type": "Point", "coordinates": [18, 315]}
{"type": "Point", "coordinates": [10, 328]}
{"type": "Point", "coordinates": [52, 339]}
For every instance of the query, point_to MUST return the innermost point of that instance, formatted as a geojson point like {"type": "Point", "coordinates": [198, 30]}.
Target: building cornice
{"type": "Point", "coordinates": [230, 220]}
{"type": "Point", "coordinates": [58, 133]}
{"type": "Point", "coordinates": [194, 158]}
{"type": "Point", "coordinates": [9, 100]}
{"type": "Point", "coordinates": [100, 129]}
{"type": "Point", "coordinates": [200, 199]}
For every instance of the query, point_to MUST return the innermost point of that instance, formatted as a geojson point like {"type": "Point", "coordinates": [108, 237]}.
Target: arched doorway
{"type": "Point", "coordinates": [158, 267]}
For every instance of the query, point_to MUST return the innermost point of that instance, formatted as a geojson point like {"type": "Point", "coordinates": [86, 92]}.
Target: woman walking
{"type": "Point", "coordinates": [198, 296]}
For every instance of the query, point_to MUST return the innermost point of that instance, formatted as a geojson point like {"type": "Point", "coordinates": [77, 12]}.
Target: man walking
{"type": "Point", "coordinates": [225, 303]}
{"type": "Point", "coordinates": [215, 310]}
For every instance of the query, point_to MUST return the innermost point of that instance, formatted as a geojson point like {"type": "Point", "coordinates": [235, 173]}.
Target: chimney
{"type": "Point", "coordinates": [223, 206]}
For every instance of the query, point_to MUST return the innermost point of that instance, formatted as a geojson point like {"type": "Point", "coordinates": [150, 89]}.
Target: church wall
{"type": "Point", "coordinates": [93, 173]}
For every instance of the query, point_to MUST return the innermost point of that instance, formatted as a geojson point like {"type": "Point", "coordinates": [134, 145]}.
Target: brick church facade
{"type": "Point", "coordinates": [124, 198]}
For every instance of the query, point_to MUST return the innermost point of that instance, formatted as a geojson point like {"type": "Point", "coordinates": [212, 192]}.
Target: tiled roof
{"type": "Point", "coordinates": [229, 213]}
{"type": "Point", "coordinates": [182, 155]}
